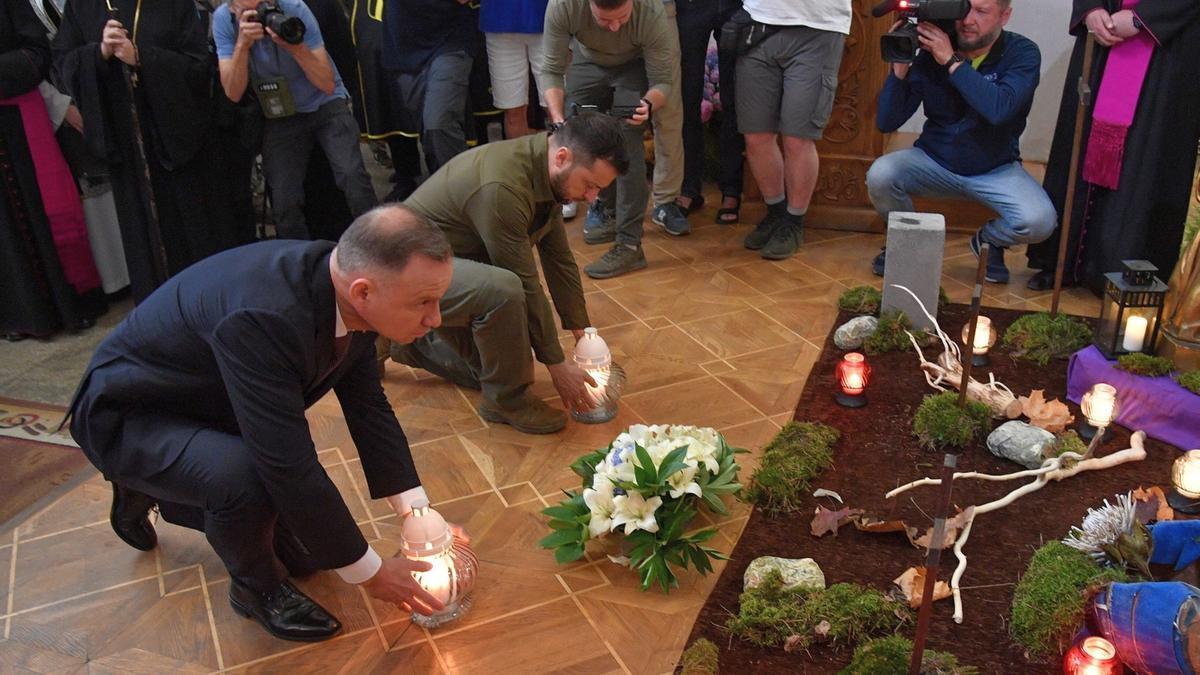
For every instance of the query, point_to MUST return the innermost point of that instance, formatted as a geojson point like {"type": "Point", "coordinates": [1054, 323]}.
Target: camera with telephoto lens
{"type": "Point", "coordinates": [290, 29]}
{"type": "Point", "coordinates": [902, 45]}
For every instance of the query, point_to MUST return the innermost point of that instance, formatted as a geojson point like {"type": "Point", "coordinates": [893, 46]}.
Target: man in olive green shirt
{"type": "Point", "coordinates": [495, 204]}
{"type": "Point", "coordinates": [624, 59]}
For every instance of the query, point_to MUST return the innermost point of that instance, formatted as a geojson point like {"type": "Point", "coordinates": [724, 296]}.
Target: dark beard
{"type": "Point", "coordinates": [556, 187]}
{"type": "Point", "coordinates": [985, 40]}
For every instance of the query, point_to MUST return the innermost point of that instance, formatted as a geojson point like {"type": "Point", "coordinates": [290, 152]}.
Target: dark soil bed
{"type": "Point", "coordinates": [878, 452]}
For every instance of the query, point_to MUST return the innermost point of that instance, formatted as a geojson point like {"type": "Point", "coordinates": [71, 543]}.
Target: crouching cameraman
{"type": "Point", "coordinates": [302, 97]}
{"type": "Point", "coordinates": [976, 99]}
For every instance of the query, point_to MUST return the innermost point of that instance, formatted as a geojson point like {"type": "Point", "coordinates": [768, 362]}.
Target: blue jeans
{"type": "Point", "coordinates": [1026, 214]}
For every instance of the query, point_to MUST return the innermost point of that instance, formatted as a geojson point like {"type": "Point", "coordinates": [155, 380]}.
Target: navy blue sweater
{"type": "Point", "coordinates": [974, 118]}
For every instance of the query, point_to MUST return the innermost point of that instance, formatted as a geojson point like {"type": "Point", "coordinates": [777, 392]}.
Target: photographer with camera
{"type": "Point", "coordinates": [275, 50]}
{"type": "Point", "coordinates": [977, 97]}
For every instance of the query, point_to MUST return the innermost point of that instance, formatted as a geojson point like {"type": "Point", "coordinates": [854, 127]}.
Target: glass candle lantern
{"type": "Point", "coordinates": [1100, 408]}
{"type": "Point", "coordinates": [853, 374]}
{"type": "Point", "coordinates": [594, 357]}
{"type": "Point", "coordinates": [425, 537]}
{"type": "Point", "coordinates": [985, 338]}
{"type": "Point", "coordinates": [1131, 310]}
{"type": "Point", "coordinates": [1185, 483]}
{"type": "Point", "coordinates": [1093, 656]}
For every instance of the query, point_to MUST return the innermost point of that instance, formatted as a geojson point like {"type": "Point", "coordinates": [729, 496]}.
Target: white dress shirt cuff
{"type": "Point", "coordinates": [402, 502]}
{"type": "Point", "coordinates": [363, 569]}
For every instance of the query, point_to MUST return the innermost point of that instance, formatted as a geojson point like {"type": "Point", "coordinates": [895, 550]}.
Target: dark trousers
{"type": "Point", "coordinates": [436, 102]}
{"type": "Point", "coordinates": [211, 486]}
{"type": "Point", "coordinates": [697, 20]}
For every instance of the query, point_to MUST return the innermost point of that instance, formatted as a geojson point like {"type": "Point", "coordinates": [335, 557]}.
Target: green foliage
{"type": "Point", "coordinates": [890, 335]}
{"type": "Point", "coordinates": [1048, 602]}
{"type": "Point", "coordinates": [890, 655]}
{"type": "Point", "coordinates": [1189, 380]}
{"type": "Point", "coordinates": [701, 658]}
{"type": "Point", "coordinates": [768, 615]}
{"type": "Point", "coordinates": [652, 554]}
{"type": "Point", "coordinates": [797, 454]}
{"type": "Point", "coordinates": [1067, 441]}
{"type": "Point", "coordinates": [1040, 337]}
{"type": "Point", "coordinates": [861, 300]}
{"type": "Point", "coordinates": [1144, 364]}
{"type": "Point", "coordinates": [940, 423]}
{"type": "Point", "coordinates": [943, 299]}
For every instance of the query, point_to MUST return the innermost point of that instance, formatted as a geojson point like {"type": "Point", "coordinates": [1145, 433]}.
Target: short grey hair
{"type": "Point", "coordinates": [387, 237]}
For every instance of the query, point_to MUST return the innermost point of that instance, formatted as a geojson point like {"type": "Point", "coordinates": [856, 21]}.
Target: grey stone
{"type": "Point", "coordinates": [916, 243]}
{"type": "Point", "coordinates": [796, 572]}
{"type": "Point", "coordinates": [1020, 442]}
{"type": "Point", "coordinates": [851, 334]}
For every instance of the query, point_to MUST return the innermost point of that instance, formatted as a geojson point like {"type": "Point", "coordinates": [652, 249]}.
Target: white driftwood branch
{"type": "Point", "coordinates": [1051, 470]}
{"type": "Point", "coordinates": [948, 368]}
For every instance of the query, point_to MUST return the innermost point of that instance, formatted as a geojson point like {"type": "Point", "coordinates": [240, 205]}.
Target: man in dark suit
{"type": "Point", "coordinates": [196, 403]}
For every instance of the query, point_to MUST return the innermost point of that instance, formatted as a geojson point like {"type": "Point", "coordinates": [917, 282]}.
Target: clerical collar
{"type": "Point", "coordinates": [339, 324]}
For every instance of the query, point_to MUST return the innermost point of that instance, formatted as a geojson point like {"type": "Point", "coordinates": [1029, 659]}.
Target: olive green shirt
{"type": "Point", "coordinates": [644, 36]}
{"type": "Point", "coordinates": [494, 203]}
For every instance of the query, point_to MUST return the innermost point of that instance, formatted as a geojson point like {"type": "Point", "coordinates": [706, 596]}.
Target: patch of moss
{"type": "Point", "coordinates": [861, 300]}
{"type": "Point", "coordinates": [768, 615]}
{"type": "Point", "coordinates": [890, 335]}
{"type": "Point", "coordinates": [1189, 380]}
{"type": "Point", "coordinates": [797, 454]}
{"type": "Point", "coordinates": [1049, 600]}
{"type": "Point", "coordinates": [1144, 364]}
{"type": "Point", "coordinates": [943, 299]}
{"type": "Point", "coordinates": [890, 655]}
{"type": "Point", "coordinates": [701, 658]}
{"type": "Point", "coordinates": [1067, 441]}
{"type": "Point", "coordinates": [940, 423]}
{"type": "Point", "coordinates": [1040, 337]}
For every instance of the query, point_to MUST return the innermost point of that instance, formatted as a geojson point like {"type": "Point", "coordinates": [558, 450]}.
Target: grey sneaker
{"type": "Point", "coordinates": [785, 239]}
{"type": "Point", "coordinates": [671, 219]}
{"type": "Point", "coordinates": [619, 260]}
{"type": "Point", "coordinates": [761, 234]}
{"type": "Point", "coordinates": [533, 417]}
{"type": "Point", "coordinates": [600, 225]}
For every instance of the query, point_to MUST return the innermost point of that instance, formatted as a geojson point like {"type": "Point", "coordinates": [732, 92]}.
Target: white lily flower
{"type": "Point", "coordinates": [683, 482]}
{"type": "Point", "coordinates": [635, 512]}
{"type": "Point", "coordinates": [602, 506]}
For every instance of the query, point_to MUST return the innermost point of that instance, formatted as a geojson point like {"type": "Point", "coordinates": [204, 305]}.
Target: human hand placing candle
{"type": "Point", "coordinates": [448, 567]}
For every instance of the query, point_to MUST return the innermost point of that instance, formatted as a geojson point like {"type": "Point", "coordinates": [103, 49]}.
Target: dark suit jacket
{"type": "Point", "coordinates": [242, 342]}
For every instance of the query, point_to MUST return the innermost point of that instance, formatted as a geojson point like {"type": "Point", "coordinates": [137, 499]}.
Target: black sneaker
{"type": "Point", "coordinates": [619, 260]}
{"type": "Point", "coordinates": [784, 241]}
{"type": "Point", "coordinates": [878, 263]}
{"type": "Point", "coordinates": [761, 234]}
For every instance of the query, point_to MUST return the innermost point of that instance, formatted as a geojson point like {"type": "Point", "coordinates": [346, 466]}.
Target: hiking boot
{"type": "Point", "coordinates": [879, 262]}
{"type": "Point", "coordinates": [534, 416]}
{"type": "Point", "coordinates": [996, 272]}
{"type": "Point", "coordinates": [761, 234]}
{"type": "Point", "coordinates": [619, 260]}
{"type": "Point", "coordinates": [600, 225]}
{"type": "Point", "coordinates": [671, 219]}
{"type": "Point", "coordinates": [785, 239]}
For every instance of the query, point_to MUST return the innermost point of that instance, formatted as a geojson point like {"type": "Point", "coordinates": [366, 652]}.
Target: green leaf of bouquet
{"type": "Point", "coordinates": [585, 466]}
{"type": "Point", "coordinates": [714, 503]}
{"type": "Point", "coordinates": [702, 536]}
{"type": "Point", "coordinates": [564, 524]}
{"type": "Point", "coordinates": [568, 553]}
{"type": "Point", "coordinates": [559, 538]}
{"type": "Point", "coordinates": [647, 466]}
{"type": "Point", "coordinates": [564, 511]}
{"type": "Point", "coordinates": [672, 463]}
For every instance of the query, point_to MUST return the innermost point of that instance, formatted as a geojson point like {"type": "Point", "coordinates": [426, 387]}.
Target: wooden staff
{"type": "Point", "coordinates": [973, 320]}
{"type": "Point", "coordinates": [1064, 231]}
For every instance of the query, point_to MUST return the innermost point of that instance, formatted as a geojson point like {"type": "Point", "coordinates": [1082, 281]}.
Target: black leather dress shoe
{"type": "Point", "coordinates": [130, 518]}
{"type": "Point", "coordinates": [285, 612]}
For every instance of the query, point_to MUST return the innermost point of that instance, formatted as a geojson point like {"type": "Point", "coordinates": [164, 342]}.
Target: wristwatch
{"type": "Point", "coordinates": [956, 57]}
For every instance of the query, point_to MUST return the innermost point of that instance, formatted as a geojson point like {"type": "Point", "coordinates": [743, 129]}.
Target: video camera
{"type": "Point", "coordinates": [623, 112]}
{"type": "Point", "coordinates": [290, 29]}
{"type": "Point", "coordinates": [902, 45]}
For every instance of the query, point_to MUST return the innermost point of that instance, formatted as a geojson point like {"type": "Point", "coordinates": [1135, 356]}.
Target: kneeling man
{"type": "Point", "coordinates": [976, 98]}
{"type": "Point", "coordinates": [496, 203]}
{"type": "Point", "coordinates": [196, 403]}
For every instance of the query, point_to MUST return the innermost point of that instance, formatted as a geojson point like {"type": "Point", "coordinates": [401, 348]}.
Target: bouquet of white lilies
{"type": "Point", "coordinates": [647, 485]}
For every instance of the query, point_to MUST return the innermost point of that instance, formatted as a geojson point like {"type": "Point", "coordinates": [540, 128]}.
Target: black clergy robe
{"type": "Point", "coordinates": [172, 99]}
{"type": "Point", "coordinates": [1144, 217]}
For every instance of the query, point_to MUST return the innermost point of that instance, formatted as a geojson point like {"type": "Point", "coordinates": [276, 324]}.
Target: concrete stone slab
{"type": "Point", "coordinates": [915, 247]}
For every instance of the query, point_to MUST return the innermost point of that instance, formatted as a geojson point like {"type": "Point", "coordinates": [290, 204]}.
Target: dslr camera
{"type": "Point", "coordinates": [902, 45]}
{"type": "Point", "coordinates": [290, 29]}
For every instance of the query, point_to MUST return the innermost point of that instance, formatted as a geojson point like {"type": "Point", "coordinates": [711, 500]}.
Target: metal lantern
{"type": "Point", "coordinates": [853, 373]}
{"type": "Point", "coordinates": [1093, 656]}
{"type": "Point", "coordinates": [1185, 483]}
{"type": "Point", "coordinates": [425, 537]}
{"type": "Point", "coordinates": [594, 357]}
{"type": "Point", "coordinates": [1131, 310]}
{"type": "Point", "coordinates": [1100, 408]}
{"type": "Point", "coordinates": [985, 338]}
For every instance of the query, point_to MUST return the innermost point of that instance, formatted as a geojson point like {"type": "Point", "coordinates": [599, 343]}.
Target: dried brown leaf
{"type": "Point", "coordinates": [826, 521]}
{"type": "Point", "coordinates": [912, 585]}
{"type": "Point", "coordinates": [1151, 505]}
{"type": "Point", "coordinates": [876, 526]}
{"type": "Point", "coordinates": [954, 525]}
{"type": "Point", "coordinates": [1052, 415]}
{"type": "Point", "coordinates": [793, 643]}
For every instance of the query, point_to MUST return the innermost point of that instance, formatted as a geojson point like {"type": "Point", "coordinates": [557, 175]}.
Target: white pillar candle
{"type": "Point", "coordinates": [983, 335]}
{"type": "Point", "coordinates": [1135, 334]}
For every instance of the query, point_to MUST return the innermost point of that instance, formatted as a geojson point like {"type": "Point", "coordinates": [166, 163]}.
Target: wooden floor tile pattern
{"type": "Point", "coordinates": [710, 335]}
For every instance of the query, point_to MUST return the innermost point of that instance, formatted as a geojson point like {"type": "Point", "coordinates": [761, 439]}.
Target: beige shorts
{"type": "Point", "coordinates": [510, 58]}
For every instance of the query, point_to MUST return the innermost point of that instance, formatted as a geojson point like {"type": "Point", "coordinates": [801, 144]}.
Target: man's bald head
{"type": "Point", "coordinates": [385, 238]}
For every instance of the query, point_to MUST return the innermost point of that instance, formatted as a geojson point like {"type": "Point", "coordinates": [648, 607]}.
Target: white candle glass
{"type": "Point", "coordinates": [1135, 333]}
{"type": "Point", "coordinates": [1099, 405]}
{"type": "Point", "coordinates": [1185, 474]}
